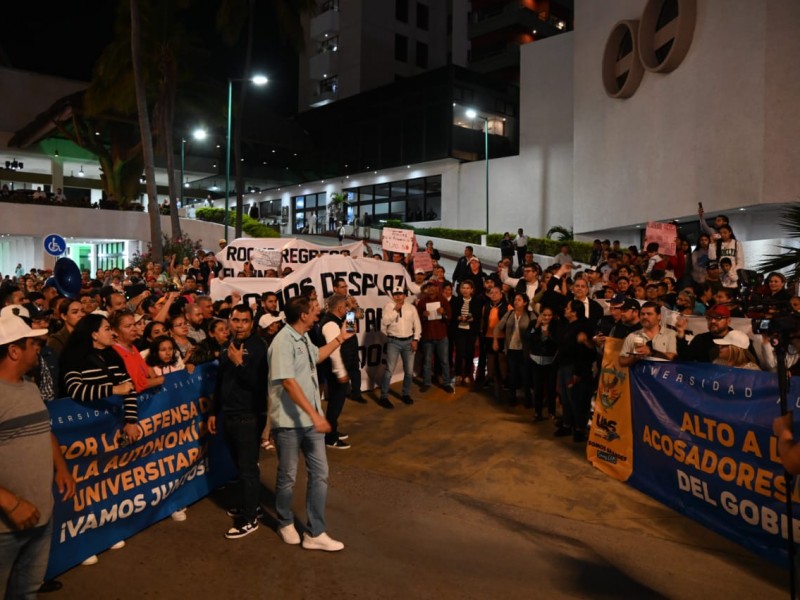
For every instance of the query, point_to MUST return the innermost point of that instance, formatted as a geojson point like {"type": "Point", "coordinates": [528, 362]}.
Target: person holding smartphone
{"type": "Point", "coordinates": [339, 364]}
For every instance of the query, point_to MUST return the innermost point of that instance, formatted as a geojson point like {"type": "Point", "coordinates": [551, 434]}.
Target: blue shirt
{"type": "Point", "coordinates": [292, 356]}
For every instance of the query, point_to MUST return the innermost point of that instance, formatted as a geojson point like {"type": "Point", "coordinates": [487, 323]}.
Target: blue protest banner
{"type": "Point", "coordinates": [124, 489]}
{"type": "Point", "coordinates": [703, 446]}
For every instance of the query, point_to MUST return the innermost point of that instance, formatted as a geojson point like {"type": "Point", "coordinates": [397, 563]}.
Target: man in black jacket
{"type": "Point", "coordinates": [462, 268]}
{"type": "Point", "coordinates": [341, 362]}
{"type": "Point", "coordinates": [241, 395]}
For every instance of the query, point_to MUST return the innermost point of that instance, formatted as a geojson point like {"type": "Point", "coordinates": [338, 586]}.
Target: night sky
{"type": "Point", "coordinates": [66, 38]}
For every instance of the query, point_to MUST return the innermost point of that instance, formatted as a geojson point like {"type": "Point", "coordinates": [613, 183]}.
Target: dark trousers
{"type": "Point", "coordinates": [242, 434]}
{"type": "Point", "coordinates": [465, 353]}
{"type": "Point", "coordinates": [575, 392]}
{"type": "Point", "coordinates": [544, 388]}
{"type": "Point", "coordinates": [337, 392]}
{"type": "Point", "coordinates": [355, 380]}
{"type": "Point", "coordinates": [519, 371]}
{"type": "Point", "coordinates": [492, 364]}
{"type": "Point", "coordinates": [521, 250]}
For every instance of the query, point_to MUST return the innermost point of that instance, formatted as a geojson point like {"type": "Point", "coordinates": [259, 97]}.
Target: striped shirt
{"type": "Point", "coordinates": [92, 377]}
{"type": "Point", "coordinates": [26, 448]}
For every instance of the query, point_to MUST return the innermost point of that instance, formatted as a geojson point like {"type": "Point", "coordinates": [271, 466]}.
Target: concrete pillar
{"type": "Point", "coordinates": [57, 173]}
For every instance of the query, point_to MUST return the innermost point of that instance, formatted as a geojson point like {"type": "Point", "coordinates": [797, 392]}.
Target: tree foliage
{"type": "Point", "coordinates": [789, 256]}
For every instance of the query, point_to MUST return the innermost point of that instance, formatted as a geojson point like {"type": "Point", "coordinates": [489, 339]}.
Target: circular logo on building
{"type": "Point", "coordinates": [622, 71]}
{"type": "Point", "coordinates": [665, 33]}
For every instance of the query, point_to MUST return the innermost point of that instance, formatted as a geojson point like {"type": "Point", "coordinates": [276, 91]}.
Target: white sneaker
{"type": "Point", "coordinates": [289, 534]}
{"type": "Point", "coordinates": [92, 560]}
{"type": "Point", "coordinates": [322, 542]}
{"type": "Point", "coordinates": [118, 545]}
{"type": "Point", "coordinates": [179, 515]}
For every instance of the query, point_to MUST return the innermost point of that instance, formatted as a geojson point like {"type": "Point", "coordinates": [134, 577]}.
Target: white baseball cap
{"type": "Point", "coordinates": [16, 310]}
{"type": "Point", "coordinates": [12, 329]}
{"type": "Point", "coordinates": [734, 338]}
{"type": "Point", "coordinates": [268, 319]}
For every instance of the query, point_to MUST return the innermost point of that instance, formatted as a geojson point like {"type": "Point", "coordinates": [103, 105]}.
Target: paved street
{"type": "Point", "coordinates": [453, 497]}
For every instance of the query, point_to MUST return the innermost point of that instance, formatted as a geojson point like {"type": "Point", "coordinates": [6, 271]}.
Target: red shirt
{"type": "Point", "coordinates": [135, 366]}
{"type": "Point", "coordinates": [435, 329]}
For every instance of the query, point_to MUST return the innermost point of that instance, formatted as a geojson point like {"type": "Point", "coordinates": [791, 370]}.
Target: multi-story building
{"type": "Point", "coordinates": [497, 29]}
{"type": "Point", "coordinates": [356, 45]}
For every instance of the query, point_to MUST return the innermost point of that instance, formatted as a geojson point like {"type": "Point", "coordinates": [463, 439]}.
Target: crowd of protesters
{"type": "Point", "coordinates": [537, 336]}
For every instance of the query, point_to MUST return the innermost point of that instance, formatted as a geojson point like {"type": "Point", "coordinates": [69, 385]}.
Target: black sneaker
{"type": "Point", "coordinates": [237, 512]}
{"type": "Point", "coordinates": [342, 436]}
{"type": "Point", "coordinates": [449, 389]}
{"type": "Point", "coordinates": [424, 388]}
{"type": "Point", "coordinates": [339, 444]}
{"type": "Point", "coordinates": [407, 400]}
{"type": "Point", "coordinates": [358, 398]}
{"type": "Point", "coordinates": [385, 403]}
{"type": "Point", "coordinates": [236, 532]}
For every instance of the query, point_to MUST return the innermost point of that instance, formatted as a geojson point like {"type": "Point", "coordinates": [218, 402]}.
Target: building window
{"type": "Point", "coordinates": [400, 47]}
{"type": "Point", "coordinates": [401, 10]}
{"type": "Point", "coordinates": [422, 16]}
{"type": "Point", "coordinates": [422, 55]}
{"type": "Point", "coordinates": [329, 85]}
{"type": "Point", "coordinates": [330, 44]}
{"type": "Point", "coordinates": [408, 200]}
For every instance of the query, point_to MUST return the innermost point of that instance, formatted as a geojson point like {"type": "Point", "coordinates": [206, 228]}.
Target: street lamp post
{"type": "Point", "coordinates": [472, 114]}
{"type": "Point", "coordinates": [198, 134]}
{"type": "Point", "coordinates": [257, 80]}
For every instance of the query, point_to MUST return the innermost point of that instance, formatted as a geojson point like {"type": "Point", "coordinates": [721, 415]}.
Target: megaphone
{"type": "Point", "coordinates": [67, 277]}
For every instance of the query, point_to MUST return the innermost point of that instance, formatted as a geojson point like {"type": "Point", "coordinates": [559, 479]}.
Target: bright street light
{"type": "Point", "coordinates": [256, 80]}
{"type": "Point", "coordinates": [198, 134]}
{"type": "Point", "coordinates": [471, 113]}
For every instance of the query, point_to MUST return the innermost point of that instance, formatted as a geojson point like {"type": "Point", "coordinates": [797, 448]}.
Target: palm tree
{"type": "Point", "coordinates": [165, 44]}
{"type": "Point", "coordinates": [564, 234]}
{"type": "Point", "coordinates": [789, 258]}
{"type": "Point", "coordinates": [147, 140]}
{"type": "Point", "coordinates": [340, 204]}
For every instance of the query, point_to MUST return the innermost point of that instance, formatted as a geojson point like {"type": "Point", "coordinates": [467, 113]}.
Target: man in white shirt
{"type": "Point", "coordinates": [401, 325]}
{"type": "Point", "coordinates": [521, 243]}
{"type": "Point", "coordinates": [652, 342]}
{"type": "Point", "coordinates": [528, 284]}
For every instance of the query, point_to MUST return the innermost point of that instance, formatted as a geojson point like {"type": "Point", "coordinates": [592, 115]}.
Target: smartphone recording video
{"type": "Point", "coordinates": [350, 321]}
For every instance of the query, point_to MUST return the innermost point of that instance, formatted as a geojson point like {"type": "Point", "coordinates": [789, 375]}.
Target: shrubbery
{"type": "Point", "coordinates": [580, 251]}
{"type": "Point", "coordinates": [249, 225]}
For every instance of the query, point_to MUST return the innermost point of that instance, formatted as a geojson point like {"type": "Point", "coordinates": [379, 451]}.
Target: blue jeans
{"type": "Point", "coordinates": [442, 349]}
{"type": "Point", "coordinates": [290, 442]}
{"type": "Point", "coordinates": [394, 349]}
{"type": "Point", "coordinates": [23, 561]}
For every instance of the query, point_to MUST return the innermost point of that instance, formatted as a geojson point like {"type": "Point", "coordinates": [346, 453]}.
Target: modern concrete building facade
{"type": "Point", "coordinates": [718, 127]}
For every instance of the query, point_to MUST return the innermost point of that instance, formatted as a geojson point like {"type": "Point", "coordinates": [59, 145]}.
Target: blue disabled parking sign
{"type": "Point", "coordinates": [55, 245]}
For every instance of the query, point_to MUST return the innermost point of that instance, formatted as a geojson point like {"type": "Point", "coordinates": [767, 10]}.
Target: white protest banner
{"type": "Point", "coordinates": [424, 261]}
{"type": "Point", "coordinates": [663, 233]}
{"type": "Point", "coordinates": [293, 252]}
{"type": "Point", "coordinates": [397, 240]}
{"type": "Point", "coordinates": [369, 281]}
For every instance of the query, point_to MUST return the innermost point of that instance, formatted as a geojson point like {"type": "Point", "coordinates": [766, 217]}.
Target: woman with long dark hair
{"type": "Point", "coordinates": [91, 370]}
{"type": "Point", "coordinates": [542, 342]}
